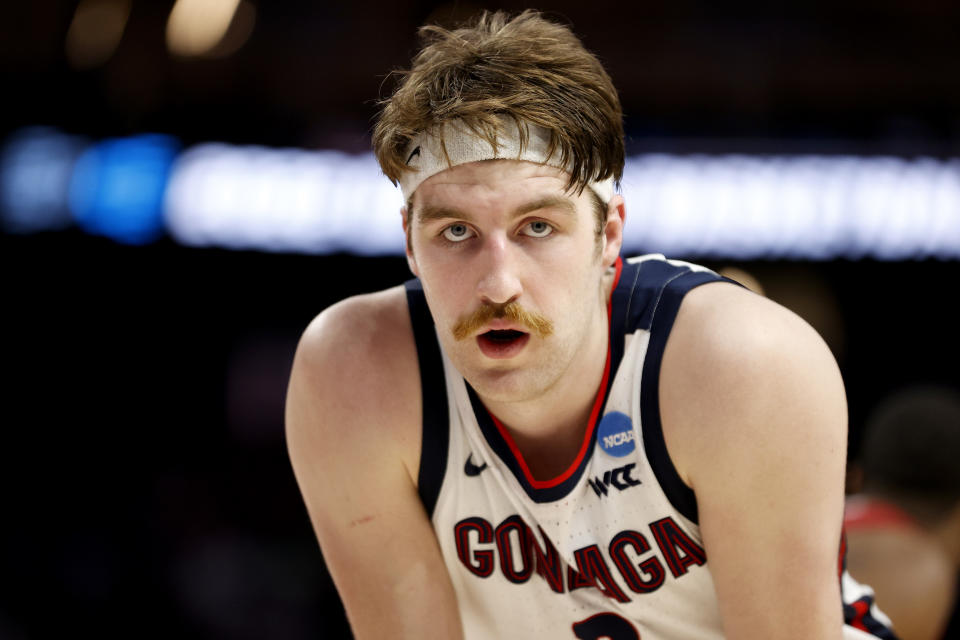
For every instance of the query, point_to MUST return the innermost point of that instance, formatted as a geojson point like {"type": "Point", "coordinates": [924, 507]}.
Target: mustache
{"type": "Point", "coordinates": [471, 323]}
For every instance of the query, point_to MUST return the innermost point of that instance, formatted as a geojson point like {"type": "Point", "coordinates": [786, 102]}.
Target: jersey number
{"type": "Point", "coordinates": [605, 625]}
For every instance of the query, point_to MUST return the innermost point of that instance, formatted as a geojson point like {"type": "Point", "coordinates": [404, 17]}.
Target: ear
{"type": "Point", "coordinates": [411, 260]}
{"type": "Point", "coordinates": [613, 230]}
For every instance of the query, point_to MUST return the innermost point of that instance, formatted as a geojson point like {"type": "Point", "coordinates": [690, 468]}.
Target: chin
{"type": "Point", "coordinates": [507, 385]}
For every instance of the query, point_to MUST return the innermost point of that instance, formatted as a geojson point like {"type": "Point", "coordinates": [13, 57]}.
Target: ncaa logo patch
{"type": "Point", "coordinates": [615, 434]}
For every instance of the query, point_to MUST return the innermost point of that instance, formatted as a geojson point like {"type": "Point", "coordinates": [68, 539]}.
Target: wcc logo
{"type": "Point", "coordinates": [618, 478]}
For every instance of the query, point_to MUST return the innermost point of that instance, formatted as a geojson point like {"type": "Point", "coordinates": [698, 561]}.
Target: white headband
{"type": "Point", "coordinates": [425, 154]}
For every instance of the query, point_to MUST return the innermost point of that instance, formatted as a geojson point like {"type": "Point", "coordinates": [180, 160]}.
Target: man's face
{"type": "Point", "coordinates": [510, 268]}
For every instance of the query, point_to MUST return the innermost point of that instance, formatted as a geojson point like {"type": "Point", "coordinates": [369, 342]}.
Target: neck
{"type": "Point", "coordinates": [549, 429]}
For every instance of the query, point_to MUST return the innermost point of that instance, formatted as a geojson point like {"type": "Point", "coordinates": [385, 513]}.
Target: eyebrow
{"type": "Point", "coordinates": [565, 205]}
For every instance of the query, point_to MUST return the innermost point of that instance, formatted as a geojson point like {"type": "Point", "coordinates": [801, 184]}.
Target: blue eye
{"type": "Point", "coordinates": [539, 229]}
{"type": "Point", "coordinates": [457, 233]}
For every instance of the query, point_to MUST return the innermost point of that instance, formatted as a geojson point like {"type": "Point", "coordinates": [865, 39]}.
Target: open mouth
{"type": "Point", "coordinates": [502, 336]}
{"type": "Point", "coordinates": [502, 343]}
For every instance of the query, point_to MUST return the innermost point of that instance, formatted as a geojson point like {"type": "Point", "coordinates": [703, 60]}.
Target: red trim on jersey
{"type": "Point", "coordinates": [862, 607]}
{"type": "Point", "coordinates": [591, 424]}
{"type": "Point", "coordinates": [863, 512]}
{"type": "Point", "coordinates": [843, 552]}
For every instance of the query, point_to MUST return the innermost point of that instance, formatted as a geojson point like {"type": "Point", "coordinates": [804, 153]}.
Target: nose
{"type": "Point", "coordinates": [499, 280]}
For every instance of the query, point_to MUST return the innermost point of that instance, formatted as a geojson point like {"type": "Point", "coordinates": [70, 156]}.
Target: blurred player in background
{"type": "Point", "coordinates": [904, 528]}
{"type": "Point", "coordinates": [538, 439]}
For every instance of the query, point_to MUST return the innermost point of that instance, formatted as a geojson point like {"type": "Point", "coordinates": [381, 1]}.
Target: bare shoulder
{"type": "Point", "coordinates": [375, 326]}
{"type": "Point", "coordinates": [355, 378]}
{"type": "Point", "coordinates": [752, 370]}
{"type": "Point", "coordinates": [353, 435]}
{"type": "Point", "coordinates": [736, 326]}
{"type": "Point", "coordinates": [754, 418]}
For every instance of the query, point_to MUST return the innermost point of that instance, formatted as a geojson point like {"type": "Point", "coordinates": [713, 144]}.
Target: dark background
{"type": "Point", "coordinates": [146, 488]}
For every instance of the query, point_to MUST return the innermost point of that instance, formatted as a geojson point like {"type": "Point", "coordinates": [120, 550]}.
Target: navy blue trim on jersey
{"type": "Point", "coordinates": [654, 311]}
{"type": "Point", "coordinates": [633, 304]}
{"type": "Point", "coordinates": [859, 616]}
{"type": "Point", "coordinates": [502, 449]}
{"type": "Point", "coordinates": [620, 303]}
{"type": "Point", "coordinates": [647, 296]}
{"type": "Point", "coordinates": [433, 393]}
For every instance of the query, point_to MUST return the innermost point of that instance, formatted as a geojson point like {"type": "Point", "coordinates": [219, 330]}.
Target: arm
{"type": "Point", "coordinates": [353, 434]}
{"type": "Point", "coordinates": [754, 417]}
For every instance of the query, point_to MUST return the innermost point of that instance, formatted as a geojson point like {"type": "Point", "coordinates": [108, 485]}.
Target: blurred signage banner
{"type": "Point", "coordinates": [807, 207]}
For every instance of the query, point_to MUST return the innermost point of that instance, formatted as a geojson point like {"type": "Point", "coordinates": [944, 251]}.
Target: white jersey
{"type": "Point", "coordinates": [611, 548]}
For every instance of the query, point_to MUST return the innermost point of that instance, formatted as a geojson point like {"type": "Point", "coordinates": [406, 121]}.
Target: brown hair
{"type": "Point", "coordinates": [526, 67]}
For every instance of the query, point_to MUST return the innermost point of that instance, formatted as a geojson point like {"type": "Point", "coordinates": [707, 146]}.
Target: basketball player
{"type": "Point", "coordinates": [536, 438]}
{"type": "Point", "coordinates": [904, 528]}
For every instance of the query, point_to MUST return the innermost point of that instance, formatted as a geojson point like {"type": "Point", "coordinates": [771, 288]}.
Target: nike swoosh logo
{"type": "Point", "coordinates": [471, 469]}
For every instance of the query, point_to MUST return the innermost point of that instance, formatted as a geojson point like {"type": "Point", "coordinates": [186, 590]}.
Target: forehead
{"type": "Point", "coordinates": [492, 183]}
